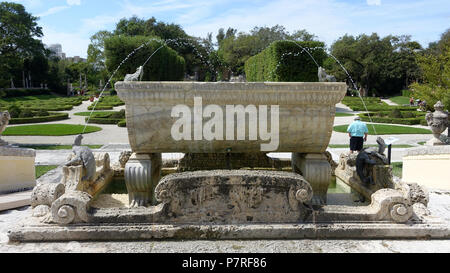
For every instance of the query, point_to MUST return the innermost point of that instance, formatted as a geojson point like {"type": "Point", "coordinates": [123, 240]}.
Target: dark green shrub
{"type": "Point", "coordinates": [14, 111]}
{"type": "Point", "coordinates": [118, 115]}
{"type": "Point", "coordinates": [122, 123]}
{"type": "Point", "coordinates": [51, 117]}
{"type": "Point", "coordinates": [408, 114]}
{"type": "Point", "coordinates": [396, 113]}
{"type": "Point", "coordinates": [42, 113]}
{"type": "Point", "coordinates": [285, 61]}
{"type": "Point", "coordinates": [26, 113]}
{"type": "Point", "coordinates": [165, 65]}
{"type": "Point", "coordinates": [103, 120]}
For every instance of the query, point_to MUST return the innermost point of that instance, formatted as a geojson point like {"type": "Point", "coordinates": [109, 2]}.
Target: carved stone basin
{"type": "Point", "coordinates": [306, 115]}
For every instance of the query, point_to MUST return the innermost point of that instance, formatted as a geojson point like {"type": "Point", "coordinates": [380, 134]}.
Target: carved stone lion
{"type": "Point", "coordinates": [83, 156]}
{"type": "Point", "coordinates": [4, 121]}
{"type": "Point", "coordinates": [324, 77]}
{"type": "Point", "coordinates": [136, 76]}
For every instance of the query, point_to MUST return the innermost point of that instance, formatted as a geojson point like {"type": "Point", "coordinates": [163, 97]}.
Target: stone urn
{"type": "Point", "coordinates": [438, 122]}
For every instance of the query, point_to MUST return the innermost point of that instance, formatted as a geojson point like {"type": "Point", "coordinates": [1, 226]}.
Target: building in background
{"type": "Point", "coordinates": [56, 49]}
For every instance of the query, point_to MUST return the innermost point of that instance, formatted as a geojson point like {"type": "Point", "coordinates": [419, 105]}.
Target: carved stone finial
{"type": "Point", "coordinates": [4, 121]}
{"type": "Point", "coordinates": [438, 122]}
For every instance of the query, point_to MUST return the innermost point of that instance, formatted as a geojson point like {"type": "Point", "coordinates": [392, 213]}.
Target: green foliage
{"type": "Point", "coordinates": [436, 85]}
{"type": "Point", "coordinates": [9, 93]}
{"type": "Point", "coordinates": [400, 117]}
{"type": "Point", "coordinates": [236, 48]}
{"type": "Point", "coordinates": [122, 123]}
{"type": "Point", "coordinates": [26, 113]}
{"type": "Point", "coordinates": [165, 65]}
{"type": "Point", "coordinates": [107, 117]}
{"type": "Point", "coordinates": [285, 61]}
{"type": "Point", "coordinates": [373, 104]}
{"type": "Point", "coordinates": [381, 66]}
{"type": "Point", "coordinates": [386, 129]}
{"type": "Point", "coordinates": [40, 119]}
{"type": "Point", "coordinates": [42, 102]}
{"type": "Point", "coordinates": [14, 111]}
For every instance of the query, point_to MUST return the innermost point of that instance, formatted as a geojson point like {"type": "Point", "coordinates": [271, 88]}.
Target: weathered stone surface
{"type": "Point", "coordinates": [234, 197]}
{"type": "Point", "coordinates": [30, 231]}
{"type": "Point", "coordinates": [316, 169]}
{"type": "Point", "coordinates": [232, 161]}
{"type": "Point", "coordinates": [380, 174]}
{"type": "Point", "coordinates": [71, 208]}
{"type": "Point", "coordinates": [307, 112]}
{"type": "Point", "coordinates": [4, 121]}
{"type": "Point", "coordinates": [387, 205]}
{"type": "Point", "coordinates": [46, 194]}
{"type": "Point", "coordinates": [142, 174]}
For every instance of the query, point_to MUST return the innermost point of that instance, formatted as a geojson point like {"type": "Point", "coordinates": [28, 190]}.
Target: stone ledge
{"type": "Point", "coordinates": [16, 151]}
{"type": "Point", "coordinates": [429, 150]}
{"type": "Point", "coordinates": [31, 231]}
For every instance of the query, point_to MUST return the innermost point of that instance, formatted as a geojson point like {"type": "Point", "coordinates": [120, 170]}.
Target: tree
{"type": "Point", "coordinates": [18, 30]}
{"type": "Point", "coordinates": [236, 49]}
{"type": "Point", "coordinates": [381, 66]}
{"type": "Point", "coordinates": [436, 75]}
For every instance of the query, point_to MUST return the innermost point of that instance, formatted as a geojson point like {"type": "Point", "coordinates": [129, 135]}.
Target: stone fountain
{"type": "Point", "coordinates": [224, 118]}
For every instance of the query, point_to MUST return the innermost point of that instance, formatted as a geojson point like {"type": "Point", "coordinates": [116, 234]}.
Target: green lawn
{"type": "Point", "coordinates": [57, 147]}
{"type": "Point", "coordinates": [400, 100]}
{"type": "Point", "coordinates": [344, 115]}
{"type": "Point", "coordinates": [41, 170]}
{"type": "Point", "coordinates": [49, 130]}
{"type": "Point", "coordinates": [387, 129]}
{"type": "Point", "coordinates": [397, 169]}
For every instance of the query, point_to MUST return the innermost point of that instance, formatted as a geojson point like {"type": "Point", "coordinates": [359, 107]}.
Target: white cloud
{"type": "Point", "coordinates": [374, 2]}
{"type": "Point", "coordinates": [53, 10]}
{"type": "Point", "coordinates": [73, 2]}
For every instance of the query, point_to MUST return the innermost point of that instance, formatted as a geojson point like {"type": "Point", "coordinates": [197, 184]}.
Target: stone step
{"type": "Point", "coordinates": [15, 200]}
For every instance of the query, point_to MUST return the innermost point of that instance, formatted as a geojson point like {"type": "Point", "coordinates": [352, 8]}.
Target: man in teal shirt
{"type": "Point", "coordinates": [358, 133]}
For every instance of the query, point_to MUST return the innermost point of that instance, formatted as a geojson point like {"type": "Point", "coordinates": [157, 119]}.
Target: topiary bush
{"type": "Point", "coordinates": [286, 61]}
{"type": "Point", "coordinates": [165, 65]}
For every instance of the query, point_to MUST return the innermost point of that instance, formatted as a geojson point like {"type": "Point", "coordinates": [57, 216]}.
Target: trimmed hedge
{"type": "Point", "coordinates": [103, 120]}
{"type": "Point", "coordinates": [381, 108]}
{"type": "Point", "coordinates": [165, 65]}
{"type": "Point", "coordinates": [285, 61]}
{"type": "Point", "coordinates": [52, 117]}
{"type": "Point", "coordinates": [373, 104]}
{"type": "Point", "coordinates": [8, 93]}
{"type": "Point", "coordinates": [122, 123]}
{"type": "Point", "coordinates": [101, 107]}
{"type": "Point", "coordinates": [393, 120]}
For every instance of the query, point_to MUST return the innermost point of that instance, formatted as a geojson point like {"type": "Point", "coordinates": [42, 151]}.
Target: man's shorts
{"type": "Point", "coordinates": [356, 143]}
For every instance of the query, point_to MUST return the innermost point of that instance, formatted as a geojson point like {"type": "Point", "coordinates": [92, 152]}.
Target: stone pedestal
{"type": "Point", "coordinates": [316, 169]}
{"type": "Point", "coordinates": [142, 174]}
{"type": "Point", "coordinates": [17, 171]}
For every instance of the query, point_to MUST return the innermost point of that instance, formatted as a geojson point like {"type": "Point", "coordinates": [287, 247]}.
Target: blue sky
{"type": "Point", "coordinates": [72, 22]}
